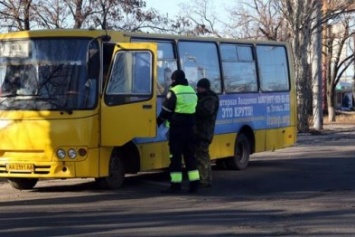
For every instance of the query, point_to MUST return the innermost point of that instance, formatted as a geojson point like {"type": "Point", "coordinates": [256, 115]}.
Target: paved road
{"type": "Point", "coordinates": [306, 190]}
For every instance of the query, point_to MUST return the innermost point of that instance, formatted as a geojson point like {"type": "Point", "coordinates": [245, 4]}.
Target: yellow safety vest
{"type": "Point", "coordinates": [186, 99]}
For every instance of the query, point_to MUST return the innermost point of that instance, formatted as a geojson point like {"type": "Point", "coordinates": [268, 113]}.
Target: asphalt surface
{"type": "Point", "coordinates": [305, 190]}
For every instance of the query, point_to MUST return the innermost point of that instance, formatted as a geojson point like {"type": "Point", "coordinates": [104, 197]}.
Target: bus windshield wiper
{"type": "Point", "coordinates": [58, 106]}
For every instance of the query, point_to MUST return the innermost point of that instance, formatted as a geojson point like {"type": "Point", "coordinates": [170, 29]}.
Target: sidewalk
{"type": "Point", "coordinates": [329, 132]}
{"type": "Point", "coordinates": [338, 128]}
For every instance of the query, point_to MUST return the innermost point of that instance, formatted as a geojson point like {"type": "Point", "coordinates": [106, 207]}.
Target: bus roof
{"type": "Point", "coordinates": [120, 34]}
{"type": "Point", "coordinates": [199, 38]}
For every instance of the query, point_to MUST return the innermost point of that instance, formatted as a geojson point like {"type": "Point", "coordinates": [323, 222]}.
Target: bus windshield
{"type": "Point", "coordinates": [47, 74]}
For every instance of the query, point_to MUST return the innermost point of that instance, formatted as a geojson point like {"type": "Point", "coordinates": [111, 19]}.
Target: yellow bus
{"type": "Point", "coordinates": [83, 103]}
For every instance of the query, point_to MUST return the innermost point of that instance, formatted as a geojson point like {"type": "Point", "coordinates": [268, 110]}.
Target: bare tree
{"type": "Point", "coordinates": [336, 61]}
{"type": "Point", "coordinates": [201, 18]}
{"type": "Point", "coordinates": [256, 19]}
{"type": "Point", "coordinates": [180, 25]}
{"type": "Point", "coordinates": [127, 15]}
{"type": "Point", "coordinates": [16, 14]}
{"type": "Point", "coordinates": [299, 17]}
{"type": "Point", "coordinates": [51, 14]}
{"type": "Point", "coordinates": [80, 11]}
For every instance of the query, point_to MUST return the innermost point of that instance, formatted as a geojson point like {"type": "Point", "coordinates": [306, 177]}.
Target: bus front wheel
{"type": "Point", "coordinates": [116, 174]}
{"type": "Point", "coordinates": [22, 183]}
{"type": "Point", "coordinates": [240, 160]}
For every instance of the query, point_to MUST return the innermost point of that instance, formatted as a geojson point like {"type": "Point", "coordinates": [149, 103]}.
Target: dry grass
{"type": "Point", "coordinates": [342, 117]}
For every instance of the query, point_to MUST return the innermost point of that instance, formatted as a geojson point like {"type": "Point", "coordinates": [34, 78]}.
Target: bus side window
{"type": "Point", "coordinates": [165, 82]}
{"type": "Point", "coordinates": [167, 62]}
{"type": "Point", "coordinates": [198, 60]}
{"type": "Point", "coordinates": [239, 69]}
{"type": "Point", "coordinates": [274, 75]}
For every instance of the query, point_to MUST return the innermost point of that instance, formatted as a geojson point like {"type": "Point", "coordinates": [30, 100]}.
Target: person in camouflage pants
{"type": "Point", "coordinates": [206, 114]}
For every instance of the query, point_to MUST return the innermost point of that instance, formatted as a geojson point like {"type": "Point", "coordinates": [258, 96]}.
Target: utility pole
{"type": "Point", "coordinates": [317, 71]}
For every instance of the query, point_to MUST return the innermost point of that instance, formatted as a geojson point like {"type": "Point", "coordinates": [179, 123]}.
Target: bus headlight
{"type": "Point", "coordinates": [60, 153]}
{"type": "Point", "coordinates": [72, 153]}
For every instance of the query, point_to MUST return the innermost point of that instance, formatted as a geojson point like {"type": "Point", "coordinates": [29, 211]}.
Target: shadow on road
{"type": "Point", "coordinates": [156, 222]}
{"type": "Point", "coordinates": [271, 179]}
{"type": "Point", "coordinates": [139, 209]}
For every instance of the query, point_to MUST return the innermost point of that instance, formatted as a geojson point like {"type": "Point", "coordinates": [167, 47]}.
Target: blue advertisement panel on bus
{"type": "Point", "coordinates": [259, 111]}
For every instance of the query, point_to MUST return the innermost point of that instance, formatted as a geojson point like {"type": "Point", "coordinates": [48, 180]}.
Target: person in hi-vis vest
{"type": "Point", "coordinates": [179, 110]}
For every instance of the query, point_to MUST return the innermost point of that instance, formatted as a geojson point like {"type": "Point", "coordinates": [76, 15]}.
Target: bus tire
{"type": "Point", "coordinates": [240, 160]}
{"type": "Point", "coordinates": [22, 183]}
{"type": "Point", "coordinates": [116, 174]}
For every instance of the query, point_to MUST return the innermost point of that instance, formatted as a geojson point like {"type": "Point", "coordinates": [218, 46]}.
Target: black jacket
{"type": "Point", "coordinates": [206, 115]}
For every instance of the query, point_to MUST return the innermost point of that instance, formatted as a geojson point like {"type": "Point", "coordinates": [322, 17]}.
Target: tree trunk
{"type": "Point", "coordinates": [303, 75]}
{"type": "Point", "coordinates": [78, 18]}
{"type": "Point", "coordinates": [331, 105]}
{"type": "Point", "coordinates": [331, 114]}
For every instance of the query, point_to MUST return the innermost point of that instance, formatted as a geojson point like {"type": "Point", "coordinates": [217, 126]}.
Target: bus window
{"type": "Point", "coordinates": [44, 70]}
{"type": "Point", "coordinates": [141, 73]}
{"type": "Point", "coordinates": [130, 78]}
{"type": "Point", "coordinates": [273, 69]}
{"type": "Point", "coordinates": [239, 70]}
{"type": "Point", "coordinates": [164, 76]}
{"type": "Point", "coordinates": [199, 60]}
{"type": "Point", "coordinates": [166, 61]}
{"type": "Point", "coordinates": [93, 65]}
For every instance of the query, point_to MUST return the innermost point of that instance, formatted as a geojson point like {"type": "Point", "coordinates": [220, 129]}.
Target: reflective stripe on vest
{"type": "Point", "coordinates": [186, 99]}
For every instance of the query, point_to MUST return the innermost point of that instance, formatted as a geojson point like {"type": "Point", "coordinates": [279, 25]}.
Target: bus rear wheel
{"type": "Point", "coordinates": [240, 160]}
{"type": "Point", "coordinates": [22, 183]}
{"type": "Point", "coordinates": [116, 174]}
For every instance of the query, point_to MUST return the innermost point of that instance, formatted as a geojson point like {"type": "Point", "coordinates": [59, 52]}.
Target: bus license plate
{"type": "Point", "coordinates": [20, 167]}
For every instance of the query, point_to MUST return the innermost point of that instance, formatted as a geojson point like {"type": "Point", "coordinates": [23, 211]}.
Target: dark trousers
{"type": "Point", "coordinates": [203, 161]}
{"type": "Point", "coordinates": [181, 144]}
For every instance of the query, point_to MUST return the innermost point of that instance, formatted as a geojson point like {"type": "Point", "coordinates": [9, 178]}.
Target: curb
{"type": "Point", "coordinates": [329, 134]}
{"type": "Point", "coordinates": [330, 129]}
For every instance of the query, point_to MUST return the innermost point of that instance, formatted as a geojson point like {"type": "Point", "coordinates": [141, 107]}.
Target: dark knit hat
{"type": "Point", "coordinates": [178, 76]}
{"type": "Point", "coordinates": [204, 83]}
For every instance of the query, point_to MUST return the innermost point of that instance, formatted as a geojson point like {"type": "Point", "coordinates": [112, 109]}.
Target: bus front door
{"type": "Point", "coordinates": [128, 107]}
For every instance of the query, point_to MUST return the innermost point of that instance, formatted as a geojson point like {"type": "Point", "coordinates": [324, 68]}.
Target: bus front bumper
{"type": "Point", "coordinates": [64, 169]}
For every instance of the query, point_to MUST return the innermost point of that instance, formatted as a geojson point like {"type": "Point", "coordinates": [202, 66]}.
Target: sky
{"type": "Point", "coordinates": [166, 6]}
